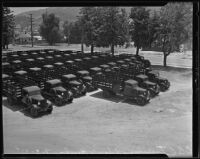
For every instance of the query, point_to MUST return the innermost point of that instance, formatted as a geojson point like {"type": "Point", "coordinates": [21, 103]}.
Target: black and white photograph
{"type": "Point", "coordinates": [98, 79]}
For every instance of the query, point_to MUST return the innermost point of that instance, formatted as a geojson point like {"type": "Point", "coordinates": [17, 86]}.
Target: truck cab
{"type": "Point", "coordinates": [54, 91]}
{"type": "Point", "coordinates": [162, 82]}
{"type": "Point", "coordinates": [70, 82]}
{"type": "Point", "coordinates": [31, 97]}
{"type": "Point", "coordinates": [86, 79]}
{"type": "Point", "coordinates": [145, 83]}
{"type": "Point", "coordinates": [133, 91]}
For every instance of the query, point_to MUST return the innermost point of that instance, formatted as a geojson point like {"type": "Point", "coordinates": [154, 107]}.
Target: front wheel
{"type": "Point", "coordinates": [34, 112]}
{"type": "Point", "coordinates": [58, 101]}
{"type": "Point", "coordinates": [141, 101]}
{"type": "Point", "coordinates": [50, 109]}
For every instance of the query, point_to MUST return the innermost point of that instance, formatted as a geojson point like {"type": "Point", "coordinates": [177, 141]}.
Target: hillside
{"type": "Point", "coordinates": [64, 13]}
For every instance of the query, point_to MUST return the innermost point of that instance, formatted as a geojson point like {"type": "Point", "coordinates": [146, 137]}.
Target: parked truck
{"type": "Point", "coordinates": [26, 93]}
{"type": "Point", "coordinates": [130, 90]}
{"type": "Point", "coordinates": [54, 91]}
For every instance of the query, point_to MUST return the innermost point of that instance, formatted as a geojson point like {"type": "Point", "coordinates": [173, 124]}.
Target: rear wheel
{"type": "Point", "coordinates": [70, 100]}
{"type": "Point", "coordinates": [50, 109]}
{"type": "Point", "coordinates": [34, 112]}
{"type": "Point", "coordinates": [141, 101]}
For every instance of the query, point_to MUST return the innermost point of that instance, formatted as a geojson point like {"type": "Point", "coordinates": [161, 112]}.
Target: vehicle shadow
{"type": "Point", "coordinates": [113, 98]}
{"type": "Point", "coordinates": [132, 102]}
{"type": "Point", "coordinates": [20, 108]}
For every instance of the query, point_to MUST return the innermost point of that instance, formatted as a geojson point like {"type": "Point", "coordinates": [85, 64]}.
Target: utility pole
{"type": "Point", "coordinates": [31, 19]}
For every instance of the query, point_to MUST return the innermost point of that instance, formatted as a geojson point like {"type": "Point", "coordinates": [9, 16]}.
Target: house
{"type": "Point", "coordinates": [24, 38]}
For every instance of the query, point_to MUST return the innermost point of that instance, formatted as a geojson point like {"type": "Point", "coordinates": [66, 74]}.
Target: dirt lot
{"type": "Point", "coordinates": [93, 124]}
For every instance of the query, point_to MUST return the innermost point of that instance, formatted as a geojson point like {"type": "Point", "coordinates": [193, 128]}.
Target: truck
{"type": "Point", "coordinates": [70, 82]}
{"type": "Point", "coordinates": [54, 91]}
{"type": "Point", "coordinates": [130, 89]}
{"type": "Point", "coordinates": [87, 80]}
{"type": "Point", "coordinates": [163, 83]}
{"type": "Point", "coordinates": [144, 82]}
{"type": "Point", "coordinates": [26, 93]}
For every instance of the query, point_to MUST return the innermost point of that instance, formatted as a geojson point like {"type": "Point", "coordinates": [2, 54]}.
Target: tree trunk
{"type": "Point", "coordinates": [4, 46]}
{"type": "Point", "coordinates": [165, 60]}
{"type": "Point", "coordinates": [112, 49]}
{"type": "Point", "coordinates": [82, 47]}
{"type": "Point", "coordinates": [137, 50]}
{"type": "Point", "coordinates": [92, 48]}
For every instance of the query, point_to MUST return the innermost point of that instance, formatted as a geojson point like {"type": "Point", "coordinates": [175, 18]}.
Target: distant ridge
{"type": "Point", "coordinates": [64, 13]}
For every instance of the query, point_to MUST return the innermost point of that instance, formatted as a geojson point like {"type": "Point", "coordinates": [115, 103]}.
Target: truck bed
{"type": "Point", "coordinates": [13, 86]}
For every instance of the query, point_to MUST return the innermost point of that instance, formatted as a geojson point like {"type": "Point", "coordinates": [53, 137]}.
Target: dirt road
{"type": "Point", "coordinates": [93, 124]}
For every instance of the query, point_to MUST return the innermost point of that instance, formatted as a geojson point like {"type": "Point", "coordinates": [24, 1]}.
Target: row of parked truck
{"type": "Point", "coordinates": [39, 79]}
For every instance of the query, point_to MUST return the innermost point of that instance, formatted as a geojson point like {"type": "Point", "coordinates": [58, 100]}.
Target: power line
{"type": "Point", "coordinates": [31, 19]}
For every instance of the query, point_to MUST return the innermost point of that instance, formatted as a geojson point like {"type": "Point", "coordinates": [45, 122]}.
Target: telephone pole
{"type": "Point", "coordinates": [31, 19]}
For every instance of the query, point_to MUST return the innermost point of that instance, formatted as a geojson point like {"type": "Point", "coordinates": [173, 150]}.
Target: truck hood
{"type": "Point", "coordinates": [37, 97]}
{"type": "Point", "coordinates": [161, 78]}
{"type": "Point", "coordinates": [149, 83]}
{"type": "Point", "coordinates": [140, 89]}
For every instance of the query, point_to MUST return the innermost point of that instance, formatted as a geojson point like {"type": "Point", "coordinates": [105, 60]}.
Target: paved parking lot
{"type": "Point", "coordinates": [93, 124]}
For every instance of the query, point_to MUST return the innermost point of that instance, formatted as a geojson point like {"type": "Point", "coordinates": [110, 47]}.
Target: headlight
{"type": "Point", "coordinates": [48, 102]}
{"type": "Point", "coordinates": [38, 103]}
{"type": "Point", "coordinates": [62, 93]}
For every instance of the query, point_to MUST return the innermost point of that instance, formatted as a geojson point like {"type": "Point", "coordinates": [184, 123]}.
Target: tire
{"type": "Point", "coordinates": [141, 101]}
{"type": "Point", "coordinates": [58, 101]}
{"type": "Point", "coordinates": [70, 100]}
{"type": "Point", "coordinates": [34, 112]}
{"type": "Point", "coordinates": [50, 109]}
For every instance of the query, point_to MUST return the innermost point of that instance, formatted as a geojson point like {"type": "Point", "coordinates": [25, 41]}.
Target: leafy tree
{"type": "Point", "coordinates": [7, 27]}
{"type": "Point", "coordinates": [153, 25]}
{"type": "Point", "coordinates": [139, 27]}
{"type": "Point", "coordinates": [114, 30]}
{"type": "Point", "coordinates": [173, 31]}
{"type": "Point", "coordinates": [67, 30]}
{"type": "Point", "coordinates": [49, 29]}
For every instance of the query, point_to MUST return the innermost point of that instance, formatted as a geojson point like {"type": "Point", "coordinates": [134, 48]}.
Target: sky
{"type": "Point", "coordinates": [18, 10]}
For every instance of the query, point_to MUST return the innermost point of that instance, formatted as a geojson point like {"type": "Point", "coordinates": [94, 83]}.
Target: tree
{"type": "Point", "coordinates": [7, 27]}
{"type": "Point", "coordinates": [113, 30]}
{"type": "Point", "coordinates": [153, 25]}
{"type": "Point", "coordinates": [91, 22]}
{"type": "Point", "coordinates": [173, 30]}
{"type": "Point", "coordinates": [67, 31]}
{"type": "Point", "coordinates": [139, 27]}
{"type": "Point", "coordinates": [49, 29]}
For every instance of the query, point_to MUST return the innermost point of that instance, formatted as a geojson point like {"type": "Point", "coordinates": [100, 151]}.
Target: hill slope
{"type": "Point", "coordinates": [64, 13]}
